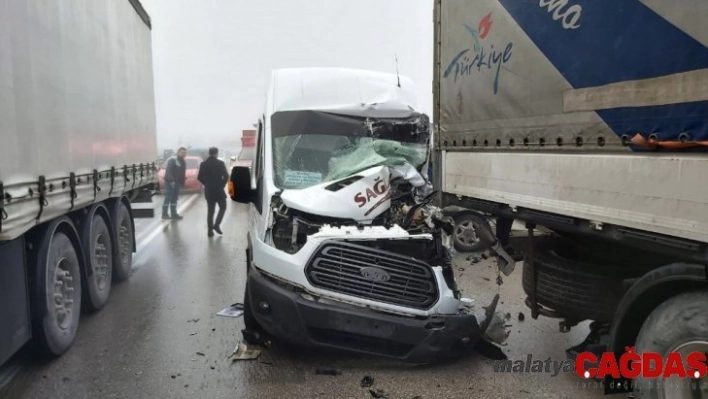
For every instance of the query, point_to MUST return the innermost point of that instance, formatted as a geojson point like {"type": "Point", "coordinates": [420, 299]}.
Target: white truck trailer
{"type": "Point", "coordinates": [77, 144]}
{"type": "Point", "coordinates": [588, 118]}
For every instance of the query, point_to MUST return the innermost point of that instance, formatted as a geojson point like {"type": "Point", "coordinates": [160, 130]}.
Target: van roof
{"type": "Point", "coordinates": [332, 89]}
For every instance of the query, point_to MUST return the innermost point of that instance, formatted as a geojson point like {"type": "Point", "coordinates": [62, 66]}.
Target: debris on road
{"type": "Point", "coordinates": [193, 334]}
{"type": "Point", "coordinates": [243, 352]}
{"type": "Point", "coordinates": [521, 316]}
{"type": "Point", "coordinates": [212, 367]}
{"type": "Point", "coordinates": [507, 316]}
{"type": "Point", "coordinates": [327, 371]}
{"type": "Point", "coordinates": [486, 279]}
{"type": "Point", "coordinates": [490, 351]}
{"type": "Point", "coordinates": [235, 310]}
{"type": "Point", "coordinates": [484, 256]}
{"type": "Point", "coordinates": [496, 332]}
{"type": "Point", "coordinates": [367, 381]}
{"type": "Point", "coordinates": [200, 354]}
{"type": "Point", "coordinates": [193, 321]}
{"type": "Point", "coordinates": [378, 393]}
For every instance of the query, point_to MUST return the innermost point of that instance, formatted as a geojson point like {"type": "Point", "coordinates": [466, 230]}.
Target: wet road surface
{"type": "Point", "coordinates": [159, 336]}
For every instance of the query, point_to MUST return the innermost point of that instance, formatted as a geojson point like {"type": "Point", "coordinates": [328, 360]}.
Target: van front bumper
{"type": "Point", "coordinates": [287, 316]}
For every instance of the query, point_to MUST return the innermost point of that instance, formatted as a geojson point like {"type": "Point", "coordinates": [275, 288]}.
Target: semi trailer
{"type": "Point", "coordinates": [77, 145]}
{"type": "Point", "coordinates": [588, 118]}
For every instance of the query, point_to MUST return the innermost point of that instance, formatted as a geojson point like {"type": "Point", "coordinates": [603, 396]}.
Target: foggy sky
{"type": "Point", "coordinates": [212, 58]}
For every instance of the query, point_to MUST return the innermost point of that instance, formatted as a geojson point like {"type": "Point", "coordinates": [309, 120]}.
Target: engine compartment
{"type": "Point", "coordinates": [410, 209]}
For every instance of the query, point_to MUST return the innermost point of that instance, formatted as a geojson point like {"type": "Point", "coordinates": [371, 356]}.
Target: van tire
{"type": "Point", "coordinates": [574, 287]}
{"type": "Point", "coordinates": [677, 321]}
{"type": "Point", "coordinates": [465, 237]}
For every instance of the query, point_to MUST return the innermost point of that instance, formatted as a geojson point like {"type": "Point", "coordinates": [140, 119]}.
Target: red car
{"type": "Point", "coordinates": [191, 184]}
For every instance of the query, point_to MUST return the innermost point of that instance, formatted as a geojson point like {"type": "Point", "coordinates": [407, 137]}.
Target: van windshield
{"type": "Point", "coordinates": [311, 147]}
{"type": "Point", "coordinates": [306, 160]}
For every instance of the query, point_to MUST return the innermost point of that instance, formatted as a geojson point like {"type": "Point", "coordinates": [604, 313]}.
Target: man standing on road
{"type": "Point", "coordinates": [175, 175]}
{"type": "Point", "coordinates": [214, 176]}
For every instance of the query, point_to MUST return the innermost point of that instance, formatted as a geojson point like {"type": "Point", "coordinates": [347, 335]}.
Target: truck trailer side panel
{"type": "Point", "coordinates": [76, 106]}
{"type": "Point", "coordinates": [566, 107]}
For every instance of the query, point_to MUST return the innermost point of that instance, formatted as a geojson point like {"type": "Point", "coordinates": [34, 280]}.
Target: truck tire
{"type": "Point", "coordinates": [465, 237]}
{"type": "Point", "coordinates": [124, 242]}
{"type": "Point", "coordinates": [57, 294]}
{"type": "Point", "coordinates": [96, 241]}
{"type": "Point", "coordinates": [573, 286]}
{"type": "Point", "coordinates": [678, 325]}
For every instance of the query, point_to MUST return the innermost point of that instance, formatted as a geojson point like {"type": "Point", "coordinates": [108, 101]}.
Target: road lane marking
{"type": "Point", "coordinates": [144, 239]}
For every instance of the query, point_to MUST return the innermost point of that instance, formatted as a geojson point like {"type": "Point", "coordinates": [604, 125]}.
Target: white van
{"type": "Point", "coordinates": [344, 248]}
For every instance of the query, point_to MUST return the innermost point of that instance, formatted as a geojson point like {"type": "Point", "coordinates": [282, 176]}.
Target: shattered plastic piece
{"type": "Point", "coordinates": [496, 332]}
{"type": "Point", "coordinates": [327, 371]}
{"type": "Point", "coordinates": [378, 393]}
{"type": "Point", "coordinates": [367, 381]}
{"type": "Point", "coordinates": [243, 352]}
{"type": "Point", "coordinates": [490, 351]}
{"type": "Point", "coordinates": [235, 310]}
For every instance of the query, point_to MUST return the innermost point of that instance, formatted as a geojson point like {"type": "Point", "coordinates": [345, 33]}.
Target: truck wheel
{"type": "Point", "coordinates": [573, 286]}
{"type": "Point", "coordinates": [58, 294]}
{"type": "Point", "coordinates": [124, 240]}
{"type": "Point", "coordinates": [465, 237]}
{"type": "Point", "coordinates": [678, 325]}
{"type": "Point", "coordinates": [99, 258]}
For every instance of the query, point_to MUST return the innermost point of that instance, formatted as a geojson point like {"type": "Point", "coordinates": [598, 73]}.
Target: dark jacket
{"type": "Point", "coordinates": [213, 175]}
{"type": "Point", "coordinates": [176, 171]}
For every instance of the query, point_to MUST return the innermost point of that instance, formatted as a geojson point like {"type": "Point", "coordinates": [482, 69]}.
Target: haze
{"type": "Point", "coordinates": [212, 59]}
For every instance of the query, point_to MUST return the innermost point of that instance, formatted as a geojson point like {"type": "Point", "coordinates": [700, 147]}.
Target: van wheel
{"type": "Point", "coordinates": [124, 241]}
{"type": "Point", "coordinates": [465, 236]}
{"type": "Point", "coordinates": [99, 260]}
{"type": "Point", "coordinates": [678, 325]}
{"type": "Point", "coordinates": [57, 295]}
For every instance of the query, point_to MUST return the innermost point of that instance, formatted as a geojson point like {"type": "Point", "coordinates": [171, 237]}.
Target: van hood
{"type": "Point", "coordinates": [362, 196]}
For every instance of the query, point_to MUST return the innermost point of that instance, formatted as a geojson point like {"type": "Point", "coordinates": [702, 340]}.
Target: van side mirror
{"type": "Point", "coordinates": [240, 189]}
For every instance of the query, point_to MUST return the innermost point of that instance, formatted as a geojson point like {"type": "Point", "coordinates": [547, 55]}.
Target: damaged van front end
{"type": "Point", "coordinates": [346, 249]}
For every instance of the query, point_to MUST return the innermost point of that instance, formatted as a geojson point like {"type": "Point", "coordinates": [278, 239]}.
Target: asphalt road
{"type": "Point", "coordinates": [159, 336]}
